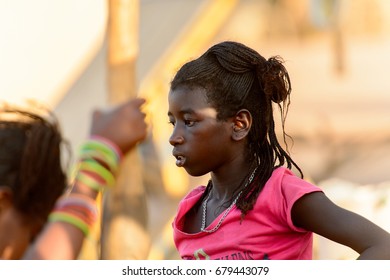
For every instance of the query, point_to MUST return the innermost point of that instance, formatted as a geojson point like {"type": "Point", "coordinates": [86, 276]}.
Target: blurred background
{"type": "Point", "coordinates": [78, 55]}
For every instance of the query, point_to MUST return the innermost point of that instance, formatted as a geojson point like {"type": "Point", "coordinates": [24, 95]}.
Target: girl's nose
{"type": "Point", "coordinates": [176, 138]}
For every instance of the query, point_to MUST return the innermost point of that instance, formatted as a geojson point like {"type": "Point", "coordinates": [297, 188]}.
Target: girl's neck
{"type": "Point", "coordinates": [228, 180]}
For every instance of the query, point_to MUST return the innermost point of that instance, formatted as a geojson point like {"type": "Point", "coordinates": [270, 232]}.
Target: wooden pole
{"type": "Point", "coordinates": [124, 227]}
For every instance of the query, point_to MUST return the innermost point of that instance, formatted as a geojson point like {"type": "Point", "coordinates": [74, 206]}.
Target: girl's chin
{"type": "Point", "coordinates": [194, 173]}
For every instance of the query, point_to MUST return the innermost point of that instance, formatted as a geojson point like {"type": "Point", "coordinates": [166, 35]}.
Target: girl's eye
{"type": "Point", "coordinates": [189, 122]}
{"type": "Point", "coordinates": [186, 123]}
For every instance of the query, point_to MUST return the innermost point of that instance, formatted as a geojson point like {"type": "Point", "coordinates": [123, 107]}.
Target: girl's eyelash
{"type": "Point", "coordinates": [186, 122]}
{"type": "Point", "coordinates": [189, 122]}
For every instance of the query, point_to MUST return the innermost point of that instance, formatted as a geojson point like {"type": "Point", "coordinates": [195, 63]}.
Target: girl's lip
{"type": "Point", "coordinates": [180, 160]}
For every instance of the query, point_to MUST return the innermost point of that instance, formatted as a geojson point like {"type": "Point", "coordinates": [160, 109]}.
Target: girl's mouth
{"type": "Point", "coordinates": [180, 160]}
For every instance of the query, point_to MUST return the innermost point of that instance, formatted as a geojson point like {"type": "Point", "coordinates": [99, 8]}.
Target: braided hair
{"type": "Point", "coordinates": [30, 162]}
{"type": "Point", "coordinates": [236, 77]}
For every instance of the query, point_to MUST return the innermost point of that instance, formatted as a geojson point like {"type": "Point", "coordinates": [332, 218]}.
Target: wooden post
{"type": "Point", "coordinates": [124, 227]}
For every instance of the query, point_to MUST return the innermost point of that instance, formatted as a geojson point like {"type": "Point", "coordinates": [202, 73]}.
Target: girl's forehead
{"type": "Point", "coordinates": [184, 101]}
{"type": "Point", "coordinates": [183, 95]}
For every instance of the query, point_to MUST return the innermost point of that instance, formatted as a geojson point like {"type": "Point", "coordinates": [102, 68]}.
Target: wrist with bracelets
{"type": "Point", "coordinates": [77, 210]}
{"type": "Point", "coordinates": [96, 167]}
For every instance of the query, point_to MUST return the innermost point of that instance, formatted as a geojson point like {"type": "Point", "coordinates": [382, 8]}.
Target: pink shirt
{"type": "Point", "coordinates": [267, 231]}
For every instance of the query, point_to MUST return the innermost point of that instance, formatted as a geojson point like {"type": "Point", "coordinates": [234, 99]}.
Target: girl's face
{"type": "Point", "coordinates": [201, 143]}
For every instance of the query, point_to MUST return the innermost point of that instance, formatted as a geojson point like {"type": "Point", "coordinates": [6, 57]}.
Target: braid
{"type": "Point", "coordinates": [30, 161]}
{"type": "Point", "coordinates": [237, 77]}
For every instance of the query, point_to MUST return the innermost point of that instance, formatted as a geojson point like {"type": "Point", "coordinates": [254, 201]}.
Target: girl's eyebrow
{"type": "Point", "coordinates": [187, 111]}
{"type": "Point", "coordinates": [184, 111]}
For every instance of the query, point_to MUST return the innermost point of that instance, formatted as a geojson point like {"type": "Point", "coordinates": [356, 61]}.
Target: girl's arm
{"type": "Point", "coordinates": [60, 240]}
{"type": "Point", "coordinates": [112, 133]}
{"type": "Point", "coordinates": [316, 213]}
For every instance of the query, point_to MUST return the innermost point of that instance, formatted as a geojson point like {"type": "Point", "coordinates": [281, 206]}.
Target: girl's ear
{"type": "Point", "coordinates": [242, 123]}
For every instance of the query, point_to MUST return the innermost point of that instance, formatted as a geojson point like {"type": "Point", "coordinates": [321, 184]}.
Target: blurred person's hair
{"type": "Point", "coordinates": [30, 160]}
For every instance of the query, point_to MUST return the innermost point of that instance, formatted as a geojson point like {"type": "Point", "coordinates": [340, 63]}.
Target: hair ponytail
{"type": "Point", "coordinates": [275, 80]}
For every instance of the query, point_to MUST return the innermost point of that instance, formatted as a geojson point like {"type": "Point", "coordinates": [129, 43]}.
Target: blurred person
{"type": "Point", "coordinates": [254, 206]}
{"type": "Point", "coordinates": [40, 218]}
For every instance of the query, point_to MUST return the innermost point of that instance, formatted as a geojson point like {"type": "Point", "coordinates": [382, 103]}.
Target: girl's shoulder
{"type": "Point", "coordinates": [287, 183]}
{"type": "Point", "coordinates": [283, 175]}
{"type": "Point", "coordinates": [283, 171]}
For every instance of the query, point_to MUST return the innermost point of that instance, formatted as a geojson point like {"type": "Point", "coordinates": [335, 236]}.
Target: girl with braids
{"type": "Point", "coordinates": [254, 206]}
{"type": "Point", "coordinates": [39, 217]}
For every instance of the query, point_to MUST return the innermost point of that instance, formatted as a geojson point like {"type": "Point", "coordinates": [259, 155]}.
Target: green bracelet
{"type": "Point", "coordinates": [70, 219]}
{"type": "Point", "coordinates": [101, 147]}
{"type": "Point", "coordinates": [95, 167]}
{"type": "Point", "coordinates": [89, 181]}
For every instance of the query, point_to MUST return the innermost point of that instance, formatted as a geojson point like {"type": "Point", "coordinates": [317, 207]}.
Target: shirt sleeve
{"type": "Point", "coordinates": [293, 188]}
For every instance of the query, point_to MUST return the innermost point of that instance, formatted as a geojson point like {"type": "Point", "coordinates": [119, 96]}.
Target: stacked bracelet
{"type": "Point", "coordinates": [97, 163]}
{"type": "Point", "coordinates": [96, 167]}
{"type": "Point", "coordinates": [77, 210]}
